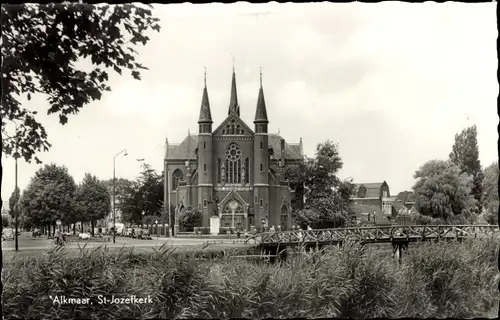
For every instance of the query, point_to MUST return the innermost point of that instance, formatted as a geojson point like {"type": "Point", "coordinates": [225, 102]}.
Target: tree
{"type": "Point", "coordinates": [316, 180]}
{"type": "Point", "coordinates": [131, 205]}
{"type": "Point", "coordinates": [145, 195]}
{"type": "Point", "coordinates": [465, 154]}
{"type": "Point", "coordinates": [490, 195]}
{"type": "Point", "coordinates": [49, 197]}
{"type": "Point", "coordinates": [305, 217]}
{"type": "Point", "coordinates": [41, 45]}
{"type": "Point", "coordinates": [14, 197]}
{"type": "Point", "coordinates": [442, 190]}
{"type": "Point", "coordinates": [92, 200]}
{"type": "Point", "coordinates": [151, 188]}
{"type": "Point", "coordinates": [5, 221]}
{"type": "Point", "coordinates": [190, 218]}
{"type": "Point", "coordinates": [123, 187]}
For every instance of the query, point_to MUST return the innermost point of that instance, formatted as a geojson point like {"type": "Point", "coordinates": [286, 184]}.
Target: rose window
{"type": "Point", "coordinates": [233, 153]}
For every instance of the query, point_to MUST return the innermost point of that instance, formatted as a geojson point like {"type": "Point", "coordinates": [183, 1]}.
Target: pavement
{"type": "Point", "coordinates": [25, 242]}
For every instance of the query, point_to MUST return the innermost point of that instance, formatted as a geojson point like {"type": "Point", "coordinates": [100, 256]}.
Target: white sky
{"type": "Point", "coordinates": [390, 82]}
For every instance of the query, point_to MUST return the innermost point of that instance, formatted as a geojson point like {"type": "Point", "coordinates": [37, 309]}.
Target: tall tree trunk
{"type": "Point", "coordinates": [48, 230]}
{"type": "Point", "coordinates": [54, 228]}
{"type": "Point", "coordinates": [74, 228]}
{"type": "Point", "coordinates": [92, 227]}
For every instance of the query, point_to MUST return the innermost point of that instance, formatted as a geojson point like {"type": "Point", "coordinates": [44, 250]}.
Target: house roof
{"type": "Point", "coordinates": [292, 151]}
{"type": "Point", "coordinates": [398, 205]}
{"type": "Point", "coordinates": [186, 149]}
{"type": "Point", "coordinates": [406, 196]}
{"type": "Point", "coordinates": [372, 189]}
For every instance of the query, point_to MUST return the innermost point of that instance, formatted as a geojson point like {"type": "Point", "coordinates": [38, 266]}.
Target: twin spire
{"type": "Point", "coordinates": [233, 102]}
{"type": "Point", "coordinates": [260, 113]}
{"type": "Point", "coordinates": [205, 114]}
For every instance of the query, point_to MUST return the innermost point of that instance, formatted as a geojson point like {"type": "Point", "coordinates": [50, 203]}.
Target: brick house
{"type": "Point", "coordinates": [404, 202]}
{"type": "Point", "coordinates": [371, 197]}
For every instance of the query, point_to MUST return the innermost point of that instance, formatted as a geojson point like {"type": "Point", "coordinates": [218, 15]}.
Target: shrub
{"type": "Point", "coordinates": [435, 280]}
{"type": "Point", "coordinates": [453, 280]}
{"type": "Point", "coordinates": [190, 218]}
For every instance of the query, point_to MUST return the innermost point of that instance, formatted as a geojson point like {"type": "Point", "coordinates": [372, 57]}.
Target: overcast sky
{"type": "Point", "coordinates": [391, 83]}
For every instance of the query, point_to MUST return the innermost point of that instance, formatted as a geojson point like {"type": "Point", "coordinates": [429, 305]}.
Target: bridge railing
{"type": "Point", "coordinates": [373, 234]}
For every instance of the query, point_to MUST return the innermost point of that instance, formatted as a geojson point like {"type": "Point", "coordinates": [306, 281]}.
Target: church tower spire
{"type": "Point", "coordinates": [261, 111]}
{"type": "Point", "coordinates": [261, 161]}
{"type": "Point", "coordinates": [233, 102]}
{"type": "Point", "coordinates": [205, 120]}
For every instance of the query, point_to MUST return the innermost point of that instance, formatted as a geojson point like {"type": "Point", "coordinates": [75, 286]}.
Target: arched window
{"type": "Point", "coordinates": [219, 170]}
{"type": "Point", "coordinates": [233, 206]}
{"type": "Point", "coordinates": [284, 217]}
{"type": "Point", "coordinates": [238, 129]}
{"type": "Point", "coordinates": [247, 170]}
{"type": "Point", "coordinates": [177, 176]}
{"type": "Point", "coordinates": [233, 163]}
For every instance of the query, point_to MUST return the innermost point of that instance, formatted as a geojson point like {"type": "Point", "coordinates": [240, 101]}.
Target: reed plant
{"type": "Point", "coordinates": [435, 280]}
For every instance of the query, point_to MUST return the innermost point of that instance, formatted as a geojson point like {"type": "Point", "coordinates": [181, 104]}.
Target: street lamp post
{"type": "Point", "coordinates": [169, 208]}
{"type": "Point", "coordinates": [157, 231]}
{"type": "Point", "coordinates": [16, 206]}
{"type": "Point", "coordinates": [114, 191]}
{"type": "Point", "coordinates": [166, 195]}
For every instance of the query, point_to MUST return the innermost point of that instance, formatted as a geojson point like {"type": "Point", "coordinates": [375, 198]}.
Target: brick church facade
{"type": "Point", "coordinates": [233, 172]}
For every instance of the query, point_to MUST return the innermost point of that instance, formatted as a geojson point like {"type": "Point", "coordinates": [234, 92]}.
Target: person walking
{"type": "Point", "coordinates": [58, 239]}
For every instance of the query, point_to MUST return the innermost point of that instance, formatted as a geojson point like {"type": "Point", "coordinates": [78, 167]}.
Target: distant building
{"type": "Point", "coordinates": [233, 173]}
{"type": "Point", "coordinates": [406, 198]}
{"type": "Point", "coordinates": [372, 197]}
{"type": "Point", "coordinates": [403, 203]}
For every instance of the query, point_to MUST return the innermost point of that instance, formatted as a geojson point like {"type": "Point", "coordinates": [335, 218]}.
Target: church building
{"type": "Point", "coordinates": [233, 174]}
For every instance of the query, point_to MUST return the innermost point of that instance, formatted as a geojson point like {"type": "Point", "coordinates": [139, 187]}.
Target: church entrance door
{"type": "Point", "coordinates": [232, 216]}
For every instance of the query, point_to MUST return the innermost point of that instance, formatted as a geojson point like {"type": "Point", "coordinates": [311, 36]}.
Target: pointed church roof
{"type": "Point", "coordinates": [205, 114]}
{"type": "Point", "coordinates": [233, 102]}
{"type": "Point", "coordinates": [261, 111]}
{"type": "Point", "coordinates": [186, 149]}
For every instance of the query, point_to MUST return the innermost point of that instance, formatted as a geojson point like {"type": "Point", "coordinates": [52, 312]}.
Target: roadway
{"type": "Point", "coordinates": [26, 243]}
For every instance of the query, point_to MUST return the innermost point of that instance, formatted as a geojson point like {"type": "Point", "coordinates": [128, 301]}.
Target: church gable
{"type": "Point", "coordinates": [233, 125]}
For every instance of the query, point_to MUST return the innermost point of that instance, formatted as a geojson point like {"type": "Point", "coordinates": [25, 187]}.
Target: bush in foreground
{"type": "Point", "coordinates": [436, 280]}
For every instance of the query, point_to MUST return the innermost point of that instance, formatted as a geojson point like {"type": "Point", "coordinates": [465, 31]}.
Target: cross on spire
{"type": "Point", "coordinates": [261, 77]}
{"type": "Point", "coordinates": [205, 77]}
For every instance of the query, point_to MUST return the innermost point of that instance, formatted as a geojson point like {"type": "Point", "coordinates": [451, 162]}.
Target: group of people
{"type": "Point", "coordinates": [272, 229]}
